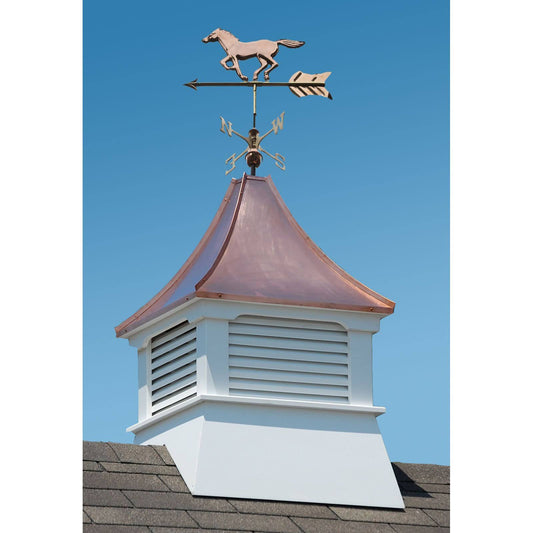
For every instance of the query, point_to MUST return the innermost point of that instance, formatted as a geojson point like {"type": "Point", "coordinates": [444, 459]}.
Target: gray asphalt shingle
{"type": "Point", "coordinates": [105, 498]}
{"type": "Point", "coordinates": [407, 486]}
{"type": "Point", "coordinates": [112, 480]}
{"type": "Point", "coordinates": [423, 473]}
{"type": "Point", "coordinates": [175, 483]}
{"type": "Point", "coordinates": [131, 453]}
{"type": "Point", "coordinates": [188, 530]}
{"type": "Point", "coordinates": [138, 489]}
{"type": "Point", "coordinates": [309, 525]}
{"type": "Point", "coordinates": [137, 468]}
{"type": "Point", "coordinates": [104, 528]}
{"type": "Point", "coordinates": [441, 517]}
{"type": "Point", "coordinates": [163, 453]}
{"type": "Point", "coordinates": [177, 500]}
{"type": "Point", "coordinates": [419, 529]}
{"type": "Point", "coordinates": [255, 522]}
{"type": "Point", "coordinates": [429, 501]}
{"type": "Point", "coordinates": [389, 516]}
{"type": "Point", "coordinates": [141, 517]}
{"type": "Point", "coordinates": [283, 508]}
{"type": "Point", "coordinates": [98, 451]}
{"type": "Point", "coordinates": [93, 465]}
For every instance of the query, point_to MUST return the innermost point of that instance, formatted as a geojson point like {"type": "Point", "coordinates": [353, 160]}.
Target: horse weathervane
{"type": "Point", "coordinates": [300, 84]}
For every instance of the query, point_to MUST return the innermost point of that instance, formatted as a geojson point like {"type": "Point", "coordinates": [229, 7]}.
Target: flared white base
{"type": "Point", "coordinates": [278, 452]}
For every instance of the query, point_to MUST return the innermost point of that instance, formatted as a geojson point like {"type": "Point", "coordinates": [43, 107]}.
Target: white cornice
{"type": "Point", "coordinates": [199, 308]}
{"type": "Point", "coordinates": [248, 400]}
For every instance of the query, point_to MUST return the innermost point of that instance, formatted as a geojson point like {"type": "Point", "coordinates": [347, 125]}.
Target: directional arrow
{"type": "Point", "coordinates": [194, 84]}
{"type": "Point", "coordinates": [300, 88]}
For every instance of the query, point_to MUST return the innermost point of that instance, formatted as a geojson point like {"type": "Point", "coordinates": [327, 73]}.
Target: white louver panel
{"type": "Point", "coordinates": [288, 359]}
{"type": "Point", "coordinates": [173, 367]}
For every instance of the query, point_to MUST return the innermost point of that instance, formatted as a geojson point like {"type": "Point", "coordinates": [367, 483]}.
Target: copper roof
{"type": "Point", "coordinates": [255, 251]}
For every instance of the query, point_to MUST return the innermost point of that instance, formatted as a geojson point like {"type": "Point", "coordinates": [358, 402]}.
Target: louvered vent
{"type": "Point", "coordinates": [173, 367]}
{"type": "Point", "coordinates": [288, 359]}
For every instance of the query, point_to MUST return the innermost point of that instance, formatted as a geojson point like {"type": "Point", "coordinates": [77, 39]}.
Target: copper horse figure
{"type": "Point", "coordinates": [264, 50]}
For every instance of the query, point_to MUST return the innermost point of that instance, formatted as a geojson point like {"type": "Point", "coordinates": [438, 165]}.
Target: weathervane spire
{"type": "Point", "coordinates": [264, 50]}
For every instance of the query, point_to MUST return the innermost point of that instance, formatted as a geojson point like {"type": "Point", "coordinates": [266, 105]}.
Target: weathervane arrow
{"type": "Point", "coordinates": [304, 87]}
{"type": "Point", "coordinates": [300, 84]}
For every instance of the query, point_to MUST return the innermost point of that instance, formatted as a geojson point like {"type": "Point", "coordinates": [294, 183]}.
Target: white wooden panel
{"type": "Point", "coordinates": [290, 333]}
{"type": "Point", "coordinates": [173, 376]}
{"type": "Point", "coordinates": [360, 364]}
{"type": "Point", "coordinates": [144, 383]}
{"type": "Point", "coordinates": [288, 323]}
{"type": "Point", "coordinates": [290, 355]}
{"type": "Point", "coordinates": [173, 366]}
{"type": "Point", "coordinates": [173, 387]}
{"type": "Point", "coordinates": [174, 399]}
{"type": "Point", "coordinates": [294, 366]}
{"type": "Point", "coordinates": [290, 377]}
{"type": "Point", "coordinates": [212, 365]}
{"type": "Point", "coordinates": [180, 329]}
{"type": "Point", "coordinates": [276, 358]}
{"type": "Point", "coordinates": [298, 344]}
{"type": "Point", "coordinates": [272, 386]}
{"type": "Point", "coordinates": [167, 347]}
{"type": "Point", "coordinates": [289, 396]}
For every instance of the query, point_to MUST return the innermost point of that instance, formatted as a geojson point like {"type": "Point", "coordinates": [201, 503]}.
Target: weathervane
{"type": "Point", "coordinates": [300, 84]}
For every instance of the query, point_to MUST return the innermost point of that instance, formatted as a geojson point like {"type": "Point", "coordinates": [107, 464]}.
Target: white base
{"type": "Point", "coordinates": [278, 453]}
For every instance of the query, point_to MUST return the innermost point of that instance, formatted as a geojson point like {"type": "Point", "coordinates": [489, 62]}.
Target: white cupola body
{"type": "Point", "coordinates": [255, 364]}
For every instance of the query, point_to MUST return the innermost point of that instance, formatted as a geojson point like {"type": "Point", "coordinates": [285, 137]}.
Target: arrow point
{"type": "Point", "coordinates": [191, 84]}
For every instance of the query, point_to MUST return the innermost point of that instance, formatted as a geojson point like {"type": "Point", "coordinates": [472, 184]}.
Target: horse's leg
{"type": "Point", "coordinates": [224, 63]}
{"type": "Point", "coordinates": [264, 65]}
{"type": "Point", "coordinates": [237, 68]}
{"type": "Point", "coordinates": [273, 64]}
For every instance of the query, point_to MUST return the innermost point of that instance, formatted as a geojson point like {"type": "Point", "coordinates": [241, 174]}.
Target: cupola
{"type": "Point", "coordinates": [255, 364]}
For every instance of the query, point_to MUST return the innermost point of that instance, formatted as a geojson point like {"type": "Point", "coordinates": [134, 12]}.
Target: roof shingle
{"type": "Point", "coordinates": [138, 489]}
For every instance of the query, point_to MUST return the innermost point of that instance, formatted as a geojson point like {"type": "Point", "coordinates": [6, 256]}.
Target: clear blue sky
{"type": "Point", "coordinates": [367, 178]}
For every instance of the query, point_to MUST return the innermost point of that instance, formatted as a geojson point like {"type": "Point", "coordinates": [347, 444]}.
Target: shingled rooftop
{"type": "Point", "coordinates": [138, 489]}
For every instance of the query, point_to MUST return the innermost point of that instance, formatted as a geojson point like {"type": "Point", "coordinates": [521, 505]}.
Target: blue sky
{"type": "Point", "coordinates": [367, 178]}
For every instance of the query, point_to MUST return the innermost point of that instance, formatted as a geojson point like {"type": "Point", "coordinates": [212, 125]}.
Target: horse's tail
{"type": "Point", "coordinates": [291, 44]}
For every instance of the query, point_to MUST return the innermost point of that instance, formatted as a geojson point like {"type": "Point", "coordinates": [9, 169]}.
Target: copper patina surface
{"type": "Point", "coordinates": [264, 50]}
{"type": "Point", "coordinates": [254, 251]}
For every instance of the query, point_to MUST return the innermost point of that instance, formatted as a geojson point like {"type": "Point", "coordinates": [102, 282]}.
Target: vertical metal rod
{"type": "Point", "coordinates": [255, 96]}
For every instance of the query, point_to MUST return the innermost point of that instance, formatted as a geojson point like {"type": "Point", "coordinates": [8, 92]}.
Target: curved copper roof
{"type": "Point", "coordinates": [255, 251]}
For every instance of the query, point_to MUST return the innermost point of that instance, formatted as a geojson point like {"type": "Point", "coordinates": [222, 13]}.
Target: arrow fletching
{"type": "Point", "coordinates": [302, 77]}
